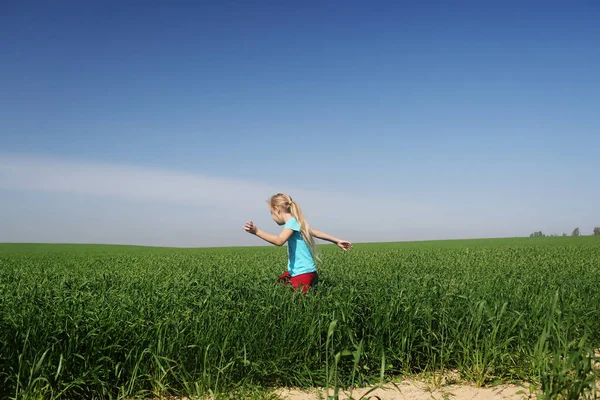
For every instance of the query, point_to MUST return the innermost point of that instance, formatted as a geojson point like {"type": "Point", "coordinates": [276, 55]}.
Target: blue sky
{"type": "Point", "coordinates": [170, 123]}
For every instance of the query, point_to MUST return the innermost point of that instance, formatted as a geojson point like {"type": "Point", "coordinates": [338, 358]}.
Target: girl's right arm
{"type": "Point", "coordinates": [342, 244]}
{"type": "Point", "coordinates": [273, 239]}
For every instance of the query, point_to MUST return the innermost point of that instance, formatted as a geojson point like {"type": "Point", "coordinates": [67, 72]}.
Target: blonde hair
{"type": "Point", "coordinates": [285, 203]}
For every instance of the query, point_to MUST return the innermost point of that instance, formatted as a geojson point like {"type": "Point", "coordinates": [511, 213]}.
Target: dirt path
{"type": "Point", "coordinates": [410, 389]}
{"type": "Point", "coordinates": [421, 390]}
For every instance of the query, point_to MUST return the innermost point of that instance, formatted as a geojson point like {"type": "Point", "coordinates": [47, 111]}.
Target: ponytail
{"type": "Point", "coordinates": [304, 227]}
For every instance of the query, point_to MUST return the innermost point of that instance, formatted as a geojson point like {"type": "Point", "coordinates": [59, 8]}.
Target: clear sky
{"type": "Point", "coordinates": [171, 123]}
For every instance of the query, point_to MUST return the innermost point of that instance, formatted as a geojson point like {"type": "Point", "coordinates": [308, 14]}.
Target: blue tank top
{"type": "Point", "coordinates": [300, 259]}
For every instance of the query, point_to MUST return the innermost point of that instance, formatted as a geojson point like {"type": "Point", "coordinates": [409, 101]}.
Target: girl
{"type": "Point", "coordinates": [301, 270]}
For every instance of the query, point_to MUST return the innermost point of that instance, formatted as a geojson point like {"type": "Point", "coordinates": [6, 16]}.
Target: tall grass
{"type": "Point", "coordinates": [86, 322]}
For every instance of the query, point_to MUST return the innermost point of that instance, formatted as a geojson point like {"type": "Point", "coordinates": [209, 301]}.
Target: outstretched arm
{"type": "Point", "coordinates": [273, 239]}
{"type": "Point", "coordinates": [343, 244]}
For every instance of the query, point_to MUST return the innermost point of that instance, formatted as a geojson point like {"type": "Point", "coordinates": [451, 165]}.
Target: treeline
{"type": "Point", "coordinates": [575, 232]}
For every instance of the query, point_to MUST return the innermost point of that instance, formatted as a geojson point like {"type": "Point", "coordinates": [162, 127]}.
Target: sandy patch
{"type": "Point", "coordinates": [448, 387]}
{"type": "Point", "coordinates": [410, 389]}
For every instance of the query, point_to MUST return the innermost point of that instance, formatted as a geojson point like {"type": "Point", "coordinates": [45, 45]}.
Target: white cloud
{"type": "Point", "coordinates": [215, 205]}
{"type": "Point", "coordinates": [125, 182]}
{"type": "Point", "coordinates": [134, 183]}
{"type": "Point", "coordinates": [57, 200]}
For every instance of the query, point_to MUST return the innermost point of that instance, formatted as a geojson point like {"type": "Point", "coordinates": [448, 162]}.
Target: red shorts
{"type": "Point", "coordinates": [302, 281]}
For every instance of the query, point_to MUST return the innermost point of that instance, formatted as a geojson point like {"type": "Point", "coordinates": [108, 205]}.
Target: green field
{"type": "Point", "coordinates": [98, 321]}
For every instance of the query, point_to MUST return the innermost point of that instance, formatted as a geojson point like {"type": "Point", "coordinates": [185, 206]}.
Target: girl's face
{"type": "Point", "coordinates": [277, 216]}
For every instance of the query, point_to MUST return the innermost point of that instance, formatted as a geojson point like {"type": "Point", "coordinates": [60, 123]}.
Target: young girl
{"type": "Point", "coordinates": [301, 271]}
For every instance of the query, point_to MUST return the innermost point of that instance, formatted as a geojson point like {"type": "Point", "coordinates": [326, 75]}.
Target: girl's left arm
{"type": "Point", "coordinates": [273, 239]}
{"type": "Point", "coordinates": [342, 244]}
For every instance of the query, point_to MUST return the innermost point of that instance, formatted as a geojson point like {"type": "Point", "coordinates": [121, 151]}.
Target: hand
{"type": "Point", "coordinates": [250, 227]}
{"type": "Point", "coordinates": [344, 245]}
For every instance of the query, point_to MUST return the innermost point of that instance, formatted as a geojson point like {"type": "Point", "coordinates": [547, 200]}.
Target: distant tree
{"type": "Point", "coordinates": [537, 234]}
{"type": "Point", "coordinates": [564, 233]}
{"type": "Point", "coordinates": [597, 231]}
{"type": "Point", "coordinates": [575, 232]}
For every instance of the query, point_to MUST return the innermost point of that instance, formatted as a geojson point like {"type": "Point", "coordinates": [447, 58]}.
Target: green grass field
{"type": "Point", "coordinates": [99, 321]}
